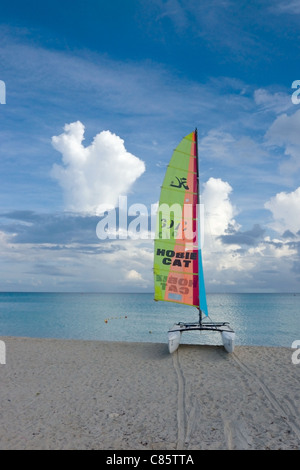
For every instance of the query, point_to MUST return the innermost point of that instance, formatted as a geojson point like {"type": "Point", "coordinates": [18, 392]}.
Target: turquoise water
{"type": "Point", "coordinates": [258, 319]}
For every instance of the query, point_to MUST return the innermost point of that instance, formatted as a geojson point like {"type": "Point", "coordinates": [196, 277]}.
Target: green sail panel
{"type": "Point", "coordinates": [176, 262]}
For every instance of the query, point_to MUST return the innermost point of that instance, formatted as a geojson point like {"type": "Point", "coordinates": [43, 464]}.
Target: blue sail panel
{"type": "Point", "coordinates": [202, 293]}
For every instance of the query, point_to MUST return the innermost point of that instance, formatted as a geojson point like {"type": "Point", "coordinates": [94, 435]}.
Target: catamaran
{"type": "Point", "coordinates": [178, 267]}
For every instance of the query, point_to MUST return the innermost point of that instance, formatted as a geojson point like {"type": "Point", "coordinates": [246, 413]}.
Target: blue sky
{"type": "Point", "coordinates": [148, 73]}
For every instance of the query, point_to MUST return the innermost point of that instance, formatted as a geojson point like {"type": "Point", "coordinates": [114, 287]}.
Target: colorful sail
{"type": "Point", "coordinates": [178, 273]}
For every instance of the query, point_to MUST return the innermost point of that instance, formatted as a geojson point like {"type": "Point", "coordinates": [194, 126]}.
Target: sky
{"type": "Point", "coordinates": [94, 97]}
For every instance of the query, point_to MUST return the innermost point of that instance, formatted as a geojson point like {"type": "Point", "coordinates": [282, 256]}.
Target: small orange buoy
{"type": "Point", "coordinates": [105, 321]}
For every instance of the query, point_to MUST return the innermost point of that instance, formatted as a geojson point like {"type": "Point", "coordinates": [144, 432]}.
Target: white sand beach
{"type": "Point", "coordinates": [68, 394]}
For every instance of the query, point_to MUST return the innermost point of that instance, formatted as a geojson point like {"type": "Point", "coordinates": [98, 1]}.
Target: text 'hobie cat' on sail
{"type": "Point", "coordinates": [178, 270]}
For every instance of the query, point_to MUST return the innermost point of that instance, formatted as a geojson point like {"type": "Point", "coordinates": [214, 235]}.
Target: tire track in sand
{"type": "Point", "coordinates": [288, 417]}
{"type": "Point", "coordinates": [237, 435]}
{"type": "Point", "coordinates": [185, 417]}
{"type": "Point", "coordinates": [181, 413]}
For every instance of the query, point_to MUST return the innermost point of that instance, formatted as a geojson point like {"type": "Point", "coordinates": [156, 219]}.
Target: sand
{"type": "Point", "coordinates": [66, 394]}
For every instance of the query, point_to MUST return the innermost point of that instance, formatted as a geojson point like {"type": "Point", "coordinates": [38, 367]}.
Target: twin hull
{"type": "Point", "coordinates": [227, 334]}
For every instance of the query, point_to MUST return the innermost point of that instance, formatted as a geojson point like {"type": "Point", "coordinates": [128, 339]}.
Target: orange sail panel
{"type": "Point", "coordinates": [176, 263]}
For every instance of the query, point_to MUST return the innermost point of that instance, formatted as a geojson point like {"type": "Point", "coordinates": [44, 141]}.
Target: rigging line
{"type": "Point", "coordinates": [185, 153]}
{"type": "Point", "coordinates": [181, 169]}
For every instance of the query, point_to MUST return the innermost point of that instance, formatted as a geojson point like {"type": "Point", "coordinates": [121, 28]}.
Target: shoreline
{"type": "Point", "coordinates": [87, 394]}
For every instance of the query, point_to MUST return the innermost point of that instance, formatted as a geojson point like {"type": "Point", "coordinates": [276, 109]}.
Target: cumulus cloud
{"type": "Point", "coordinates": [285, 129]}
{"type": "Point", "coordinates": [284, 132]}
{"type": "Point", "coordinates": [93, 177]}
{"type": "Point", "coordinates": [219, 220]}
{"type": "Point", "coordinates": [218, 207]}
{"type": "Point", "coordinates": [285, 209]}
{"type": "Point", "coordinates": [236, 258]}
{"type": "Point", "coordinates": [133, 275]}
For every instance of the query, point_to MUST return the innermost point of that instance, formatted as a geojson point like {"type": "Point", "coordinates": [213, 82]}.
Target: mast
{"type": "Point", "coordinates": [198, 214]}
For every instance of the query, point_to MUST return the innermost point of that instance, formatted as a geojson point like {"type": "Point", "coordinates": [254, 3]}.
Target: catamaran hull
{"type": "Point", "coordinates": [228, 340]}
{"type": "Point", "coordinates": [227, 334]}
{"type": "Point", "coordinates": [174, 338]}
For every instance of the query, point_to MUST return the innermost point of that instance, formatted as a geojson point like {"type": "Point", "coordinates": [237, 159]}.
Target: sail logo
{"type": "Point", "coordinates": [181, 259]}
{"type": "Point", "coordinates": [2, 353]}
{"type": "Point", "coordinates": [176, 285]}
{"type": "Point", "coordinates": [296, 354]}
{"type": "Point", "coordinates": [181, 183]}
{"type": "Point", "coordinates": [2, 92]}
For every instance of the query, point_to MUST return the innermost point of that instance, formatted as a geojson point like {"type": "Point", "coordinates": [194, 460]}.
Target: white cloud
{"type": "Point", "coordinates": [226, 149]}
{"type": "Point", "coordinates": [133, 275]}
{"type": "Point", "coordinates": [93, 177]}
{"type": "Point", "coordinates": [285, 208]}
{"type": "Point", "coordinates": [218, 208]}
{"type": "Point", "coordinates": [217, 145]}
{"type": "Point", "coordinates": [285, 129]}
{"type": "Point", "coordinates": [261, 265]}
{"type": "Point", "coordinates": [284, 132]}
{"type": "Point", "coordinates": [277, 102]}
{"type": "Point", "coordinates": [219, 218]}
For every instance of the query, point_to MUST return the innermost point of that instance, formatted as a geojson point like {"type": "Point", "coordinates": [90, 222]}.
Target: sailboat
{"type": "Point", "coordinates": [178, 267]}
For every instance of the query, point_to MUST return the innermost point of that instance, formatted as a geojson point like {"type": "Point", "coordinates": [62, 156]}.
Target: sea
{"type": "Point", "coordinates": [258, 319]}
